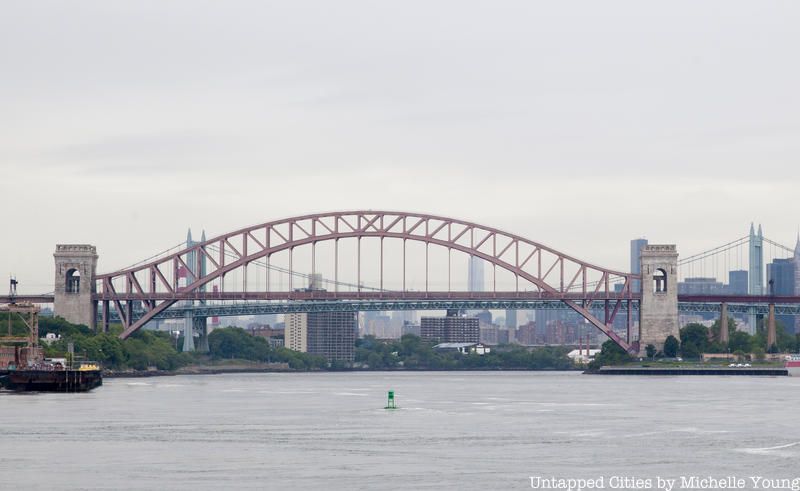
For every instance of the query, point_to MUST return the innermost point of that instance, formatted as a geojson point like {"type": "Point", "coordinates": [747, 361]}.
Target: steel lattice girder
{"type": "Point", "coordinates": [260, 308]}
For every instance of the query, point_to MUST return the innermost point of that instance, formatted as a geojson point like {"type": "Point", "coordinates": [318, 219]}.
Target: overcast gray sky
{"type": "Point", "coordinates": [577, 124]}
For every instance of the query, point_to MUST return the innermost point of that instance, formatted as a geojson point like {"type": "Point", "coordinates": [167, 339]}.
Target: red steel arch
{"type": "Point", "coordinates": [577, 283]}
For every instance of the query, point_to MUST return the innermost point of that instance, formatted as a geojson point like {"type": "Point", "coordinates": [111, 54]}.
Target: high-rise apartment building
{"type": "Point", "coordinates": [332, 335]}
{"type": "Point", "coordinates": [450, 329]}
{"type": "Point", "coordinates": [296, 332]}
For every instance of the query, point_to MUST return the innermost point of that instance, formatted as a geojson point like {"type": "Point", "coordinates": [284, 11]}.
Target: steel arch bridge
{"type": "Point", "coordinates": [545, 273]}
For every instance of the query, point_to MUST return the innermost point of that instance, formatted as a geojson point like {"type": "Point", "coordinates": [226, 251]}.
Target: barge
{"type": "Point", "coordinates": [46, 377]}
{"type": "Point", "coordinates": [22, 363]}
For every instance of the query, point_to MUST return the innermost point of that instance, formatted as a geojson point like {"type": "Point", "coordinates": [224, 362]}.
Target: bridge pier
{"type": "Point", "coordinates": [723, 324]}
{"type": "Point", "coordinates": [201, 325]}
{"type": "Point", "coordinates": [771, 333]}
{"type": "Point", "coordinates": [188, 332]}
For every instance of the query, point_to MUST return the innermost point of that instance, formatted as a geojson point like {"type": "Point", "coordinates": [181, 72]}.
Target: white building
{"type": "Point", "coordinates": [580, 357]}
{"type": "Point", "coordinates": [464, 348]}
{"type": "Point", "coordinates": [296, 329]}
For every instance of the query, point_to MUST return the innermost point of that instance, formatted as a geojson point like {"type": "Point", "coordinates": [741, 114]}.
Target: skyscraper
{"type": "Point", "coordinates": [636, 268]}
{"type": "Point", "coordinates": [781, 281]}
{"type": "Point", "coordinates": [475, 275]}
{"type": "Point", "coordinates": [737, 282]}
{"type": "Point", "coordinates": [511, 319]}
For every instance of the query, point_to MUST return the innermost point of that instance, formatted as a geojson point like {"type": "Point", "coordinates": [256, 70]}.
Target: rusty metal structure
{"type": "Point", "coordinates": [19, 349]}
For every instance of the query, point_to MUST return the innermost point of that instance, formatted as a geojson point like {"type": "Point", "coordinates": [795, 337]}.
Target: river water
{"type": "Point", "coordinates": [454, 430]}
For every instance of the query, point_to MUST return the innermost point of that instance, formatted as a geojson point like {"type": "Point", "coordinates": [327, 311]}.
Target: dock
{"type": "Point", "coordinates": [727, 371]}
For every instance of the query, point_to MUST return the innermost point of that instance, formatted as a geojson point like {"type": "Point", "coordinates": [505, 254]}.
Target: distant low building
{"type": "Point", "coordinates": [275, 337]}
{"type": "Point", "coordinates": [582, 356]}
{"type": "Point", "coordinates": [526, 334]}
{"type": "Point", "coordinates": [701, 286]}
{"type": "Point", "coordinates": [411, 328]}
{"type": "Point", "coordinates": [266, 332]}
{"type": "Point", "coordinates": [50, 338]}
{"type": "Point", "coordinates": [488, 334]}
{"type": "Point", "coordinates": [464, 348]}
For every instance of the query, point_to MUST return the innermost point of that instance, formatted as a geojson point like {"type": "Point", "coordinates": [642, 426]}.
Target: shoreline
{"type": "Point", "coordinates": [206, 370]}
{"type": "Point", "coordinates": [691, 371]}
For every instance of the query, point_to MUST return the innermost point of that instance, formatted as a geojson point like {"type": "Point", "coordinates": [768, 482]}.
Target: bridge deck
{"type": "Point", "coordinates": [411, 295]}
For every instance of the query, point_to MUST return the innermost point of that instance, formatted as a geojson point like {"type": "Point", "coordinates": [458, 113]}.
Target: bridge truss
{"type": "Point", "coordinates": [262, 308]}
{"type": "Point", "coordinates": [538, 271]}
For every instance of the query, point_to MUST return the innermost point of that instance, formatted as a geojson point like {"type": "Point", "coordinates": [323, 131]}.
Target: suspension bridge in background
{"type": "Point", "coordinates": [389, 261]}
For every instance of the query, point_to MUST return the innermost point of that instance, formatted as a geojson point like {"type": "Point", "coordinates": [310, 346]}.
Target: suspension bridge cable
{"type": "Point", "coordinates": [780, 246]}
{"type": "Point", "coordinates": [154, 256]}
{"type": "Point", "coordinates": [713, 251]}
{"type": "Point", "coordinates": [707, 254]}
{"type": "Point", "coordinates": [280, 269]}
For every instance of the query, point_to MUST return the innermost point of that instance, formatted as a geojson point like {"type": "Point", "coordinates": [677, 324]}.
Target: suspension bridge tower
{"type": "Point", "coordinates": [658, 317]}
{"type": "Point", "coordinates": [756, 272]}
{"type": "Point", "coordinates": [76, 267]}
{"type": "Point", "coordinates": [756, 261]}
{"type": "Point", "coordinates": [197, 269]}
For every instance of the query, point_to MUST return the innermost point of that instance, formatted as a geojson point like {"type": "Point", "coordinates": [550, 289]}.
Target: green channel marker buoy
{"type": "Point", "coordinates": [390, 401]}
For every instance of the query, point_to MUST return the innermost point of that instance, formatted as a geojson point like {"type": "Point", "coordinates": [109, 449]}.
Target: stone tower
{"type": "Point", "coordinates": [659, 310]}
{"type": "Point", "coordinates": [76, 265]}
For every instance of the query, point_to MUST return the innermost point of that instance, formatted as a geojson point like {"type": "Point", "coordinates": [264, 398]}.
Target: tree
{"type": "Point", "coordinates": [741, 341]}
{"type": "Point", "coordinates": [610, 354]}
{"type": "Point", "coordinates": [759, 354]}
{"type": "Point", "coordinates": [694, 340]}
{"type": "Point", "coordinates": [690, 351]}
{"type": "Point", "coordinates": [233, 342]}
{"type": "Point", "coordinates": [650, 350]}
{"type": "Point", "coordinates": [785, 342]}
{"type": "Point", "coordinates": [671, 346]}
{"type": "Point", "coordinates": [715, 329]}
